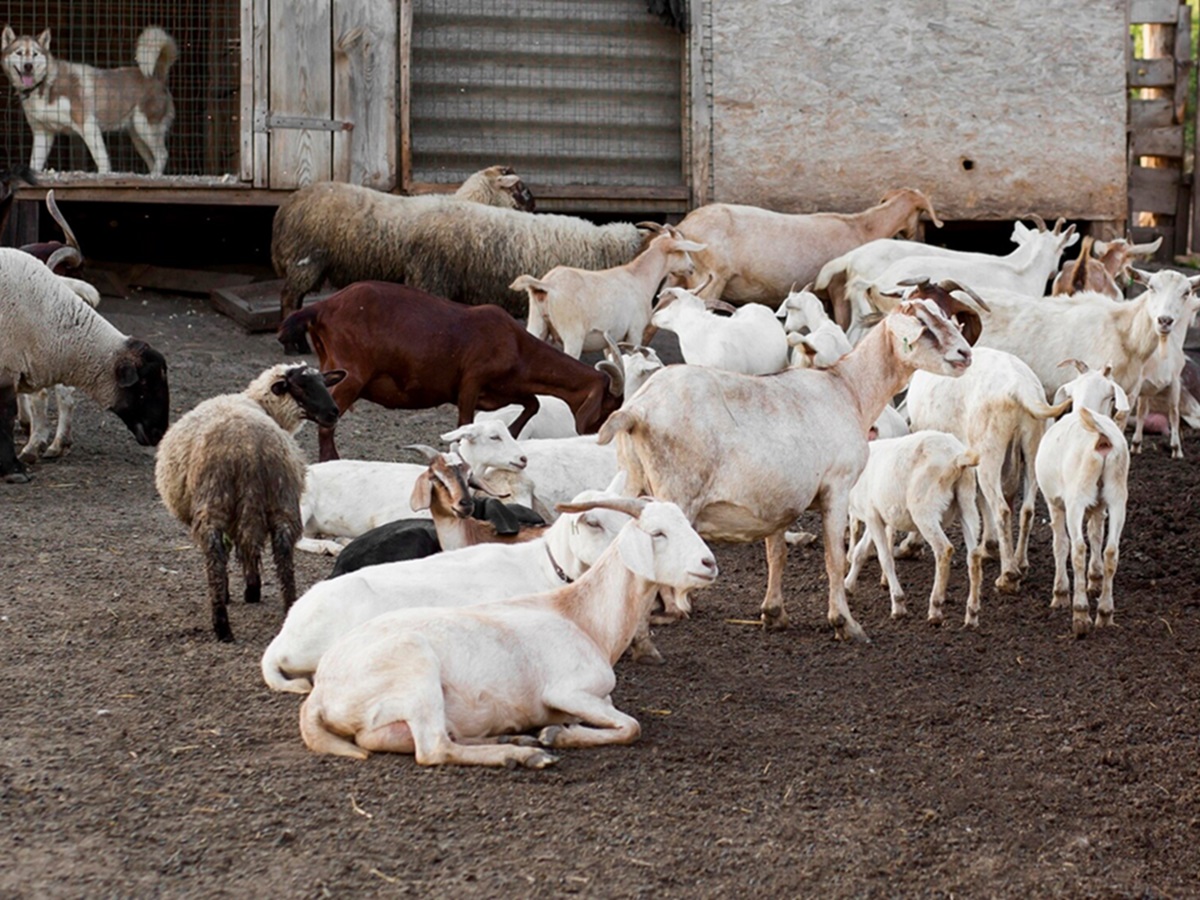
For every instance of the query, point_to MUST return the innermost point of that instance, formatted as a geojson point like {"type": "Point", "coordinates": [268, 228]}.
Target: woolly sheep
{"type": "Point", "coordinates": [49, 336]}
{"type": "Point", "coordinates": [232, 472]}
{"type": "Point", "coordinates": [446, 246]}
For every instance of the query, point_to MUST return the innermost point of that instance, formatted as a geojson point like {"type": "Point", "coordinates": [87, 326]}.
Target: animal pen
{"type": "Point", "coordinates": [605, 108]}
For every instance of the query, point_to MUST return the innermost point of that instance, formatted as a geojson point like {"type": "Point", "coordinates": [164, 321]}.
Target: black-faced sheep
{"type": "Point", "coordinates": [232, 472]}
{"type": "Point", "coordinates": [48, 336]}
{"type": "Point", "coordinates": [348, 233]}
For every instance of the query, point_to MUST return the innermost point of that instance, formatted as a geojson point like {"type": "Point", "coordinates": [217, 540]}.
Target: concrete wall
{"type": "Point", "coordinates": [993, 109]}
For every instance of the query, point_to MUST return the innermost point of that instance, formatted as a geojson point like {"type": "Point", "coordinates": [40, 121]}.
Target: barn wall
{"type": "Point", "coordinates": [994, 109]}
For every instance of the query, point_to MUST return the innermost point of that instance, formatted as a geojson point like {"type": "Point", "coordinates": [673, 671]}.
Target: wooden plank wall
{"type": "Point", "coordinates": [301, 85]}
{"type": "Point", "coordinates": [1160, 193]}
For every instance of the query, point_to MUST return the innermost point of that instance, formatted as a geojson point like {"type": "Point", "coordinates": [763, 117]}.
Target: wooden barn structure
{"type": "Point", "coordinates": [995, 110]}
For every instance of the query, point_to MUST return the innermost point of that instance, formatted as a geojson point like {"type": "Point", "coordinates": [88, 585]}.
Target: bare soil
{"type": "Point", "coordinates": [140, 757]}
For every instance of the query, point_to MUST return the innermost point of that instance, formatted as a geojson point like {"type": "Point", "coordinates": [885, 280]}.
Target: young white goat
{"type": "Point", "coordinates": [454, 686]}
{"type": "Point", "coordinates": [921, 481]}
{"type": "Point", "coordinates": [1083, 470]}
{"type": "Point", "coordinates": [579, 307]}
{"type": "Point", "coordinates": [751, 341]}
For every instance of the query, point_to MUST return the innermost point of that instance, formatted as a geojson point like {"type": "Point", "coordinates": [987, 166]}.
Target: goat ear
{"type": "Point", "coordinates": [1140, 276]}
{"type": "Point", "coordinates": [1066, 392]}
{"type": "Point", "coordinates": [279, 388]}
{"type": "Point", "coordinates": [127, 374]}
{"type": "Point", "coordinates": [637, 551]}
{"type": "Point", "coordinates": [333, 376]}
{"type": "Point", "coordinates": [422, 493]}
{"type": "Point", "coordinates": [458, 434]}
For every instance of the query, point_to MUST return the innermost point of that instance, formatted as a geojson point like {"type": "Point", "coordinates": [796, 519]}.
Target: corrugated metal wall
{"type": "Point", "coordinates": [573, 92]}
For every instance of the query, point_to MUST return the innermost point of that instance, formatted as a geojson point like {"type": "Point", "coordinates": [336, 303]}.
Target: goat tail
{"type": "Point", "coordinates": [967, 459]}
{"type": "Point", "coordinates": [1041, 410]}
{"type": "Point", "coordinates": [535, 286]}
{"type": "Point", "coordinates": [155, 53]}
{"type": "Point", "coordinates": [275, 673]}
{"type": "Point", "coordinates": [320, 739]}
{"type": "Point", "coordinates": [620, 421]}
{"type": "Point", "coordinates": [293, 331]}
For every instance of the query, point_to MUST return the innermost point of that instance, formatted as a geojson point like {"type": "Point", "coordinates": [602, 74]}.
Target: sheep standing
{"type": "Point", "coordinates": [49, 336]}
{"type": "Point", "coordinates": [232, 472]}
{"type": "Point", "coordinates": [447, 246]}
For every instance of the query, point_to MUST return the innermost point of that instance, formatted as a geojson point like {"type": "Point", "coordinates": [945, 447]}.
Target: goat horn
{"type": "Point", "coordinates": [919, 282]}
{"type": "Point", "coordinates": [707, 282]}
{"type": "Point", "coordinates": [68, 255]}
{"type": "Point", "coordinates": [1058, 225]}
{"type": "Point", "coordinates": [1038, 221]}
{"type": "Point", "coordinates": [656, 227]}
{"type": "Point", "coordinates": [720, 305]}
{"type": "Point", "coordinates": [631, 506]}
{"type": "Point", "coordinates": [425, 450]}
{"type": "Point", "coordinates": [927, 205]}
{"type": "Point", "coordinates": [1080, 366]}
{"type": "Point", "coordinates": [613, 366]}
{"type": "Point", "coordinates": [56, 214]}
{"type": "Point", "coordinates": [949, 286]}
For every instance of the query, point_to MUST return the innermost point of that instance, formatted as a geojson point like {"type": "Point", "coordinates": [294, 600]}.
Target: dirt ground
{"type": "Point", "coordinates": [140, 757]}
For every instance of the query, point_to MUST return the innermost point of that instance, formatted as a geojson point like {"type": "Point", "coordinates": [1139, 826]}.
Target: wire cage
{"type": "Point", "coordinates": [58, 37]}
{"type": "Point", "coordinates": [568, 92]}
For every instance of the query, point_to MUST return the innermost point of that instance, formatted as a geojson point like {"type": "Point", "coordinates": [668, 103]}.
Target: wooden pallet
{"type": "Point", "coordinates": [255, 306]}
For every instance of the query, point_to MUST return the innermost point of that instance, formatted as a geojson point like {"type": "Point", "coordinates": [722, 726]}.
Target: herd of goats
{"type": "Point", "coordinates": [480, 600]}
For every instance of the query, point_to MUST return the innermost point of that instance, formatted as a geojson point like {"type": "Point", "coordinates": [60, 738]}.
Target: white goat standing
{"type": "Point", "coordinates": [579, 308]}
{"type": "Point", "coordinates": [919, 481]}
{"type": "Point", "coordinates": [1083, 471]}
{"type": "Point", "coordinates": [744, 456]}
{"type": "Point", "coordinates": [1162, 384]}
{"type": "Point", "coordinates": [458, 686]}
{"type": "Point", "coordinates": [751, 341]}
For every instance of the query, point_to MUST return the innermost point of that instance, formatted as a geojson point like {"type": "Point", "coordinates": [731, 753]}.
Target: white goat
{"type": "Point", "coordinates": [579, 308]}
{"type": "Point", "coordinates": [751, 341]}
{"type": "Point", "coordinates": [458, 686]}
{"type": "Point", "coordinates": [557, 469]}
{"type": "Point", "coordinates": [344, 498]}
{"type": "Point", "coordinates": [998, 409]}
{"type": "Point", "coordinates": [1083, 471]}
{"type": "Point", "coordinates": [921, 481]}
{"type": "Point", "coordinates": [744, 456]}
{"type": "Point", "coordinates": [554, 418]}
{"type": "Point", "coordinates": [1162, 384]}
{"type": "Point", "coordinates": [754, 254]}
{"type": "Point", "coordinates": [472, 575]}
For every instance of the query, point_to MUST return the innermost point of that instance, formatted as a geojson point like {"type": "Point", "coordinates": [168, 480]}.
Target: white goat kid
{"type": "Point", "coordinates": [451, 686]}
{"type": "Point", "coordinates": [579, 308]}
{"type": "Point", "coordinates": [744, 456]}
{"type": "Point", "coordinates": [1162, 383]}
{"type": "Point", "coordinates": [1083, 471]}
{"type": "Point", "coordinates": [751, 341]}
{"type": "Point", "coordinates": [921, 481]}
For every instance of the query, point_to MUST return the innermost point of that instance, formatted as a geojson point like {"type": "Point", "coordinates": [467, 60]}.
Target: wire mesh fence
{"type": "Point", "coordinates": [78, 89]}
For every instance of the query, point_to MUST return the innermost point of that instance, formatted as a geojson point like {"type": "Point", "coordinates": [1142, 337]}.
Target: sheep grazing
{"type": "Point", "coordinates": [1102, 267]}
{"type": "Point", "coordinates": [744, 455]}
{"type": "Point", "coordinates": [751, 341]}
{"type": "Point", "coordinates": [581, 309]}
{"type": "Point", "coordinates": [921, 481]}
{"type": "Point", "coordinates": [49, 336]}
{"type": "Point", "coordinates": [756, 254]}
{"type": "Point", "coordinates": [349, 234]}
{"type": "Point", "coordinates": [1083, 471]}
{"type": "Point", "coordinates": [458, 686]}
{"type": "Point", "coordinates": [231, 471]}
{"type": "Point", "coordinates": [405, 349]}
{"type": "Point", "coordinates": [472, 575]}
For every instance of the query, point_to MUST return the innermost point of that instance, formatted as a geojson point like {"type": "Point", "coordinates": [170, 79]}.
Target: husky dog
{"type": "Point", "coordinates": [61, 97]}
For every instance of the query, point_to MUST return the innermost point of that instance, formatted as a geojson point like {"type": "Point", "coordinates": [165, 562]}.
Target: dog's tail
{"type": "Point", "coordinates": [156, 52]}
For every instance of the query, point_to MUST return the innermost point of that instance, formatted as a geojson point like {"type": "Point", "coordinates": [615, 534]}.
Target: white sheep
{"type": "Point", "coordinates": [756, 254]}
{"type": "Point", "coordinates": [554, 418]}
{"type": "Point", "coordinates": [998, 409]}
{"type": "Point", "coordinates": [232, 472]}
{"type": "Point", "coordinates": [744, 455]}
{"type": "Point", "coordinates": [471, 575]}
{"type": "Point", "coordinates": [50, 336]}
{"type": "Point", "coordinates": [459, 685]}
{"type": "Point", "coordinates": [344, 498]}
{"type": "Point", "coordinates": [582, 309]}
{"type": "Point", "coordinates": [922, 481]}
{"type": "Point", "coordinates": [1083, 471]}
{"type": "Point", "coordinates": [751, 341]}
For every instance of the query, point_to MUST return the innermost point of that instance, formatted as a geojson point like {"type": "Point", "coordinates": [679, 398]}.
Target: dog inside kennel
{"type": "Point", "coordinates": [129, 88]}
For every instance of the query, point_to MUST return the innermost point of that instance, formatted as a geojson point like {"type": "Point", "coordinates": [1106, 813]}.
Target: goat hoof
{"type": "Point", "coordinates": [1176, 453]}
{"type": "Point", "coordinates": [901, 612]}
{"type": "Point", "coordinates": [549, 735]}
{"type": "Point", "coordinates": [848, 630]}
{"type": "Point", "coordinates": [936, 618]}
{"type": "Point", "coordinates": [646, 656]}
{"type": "Point", "coordinates": [1081, 624]}
{"type": "Point", "coordinates": [56, 451]}
{"type": "Point", "coordinates": [18, 478]}
{"type": "Point", "coordinates": [774, 619]}
{"type": "Point", "coordinates": [1059, 600]}
{"type": "Point", "coordinates": [539, 759]}
{"type": "Point", "coordinates": [1008, 583]}
{"type": "Point", "coordinates": [520, 740]}
{"type": "Point", "coordinates": [971, 621]}
{"type": "Point", "coordinates": [1104, 619]}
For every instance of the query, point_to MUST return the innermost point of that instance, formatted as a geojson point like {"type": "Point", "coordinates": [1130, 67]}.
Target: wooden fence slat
{"type": "Point", "coordinates": [1161, 12]}
{"type": "Point", "coordinates": [1148, 73]}
{"type": "Point", "coordinates": [1143, 114]}
{"type": "Point", "coordinates": [1154, 190]}
{"type": "Point", "coordinates": [1158, 141]}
